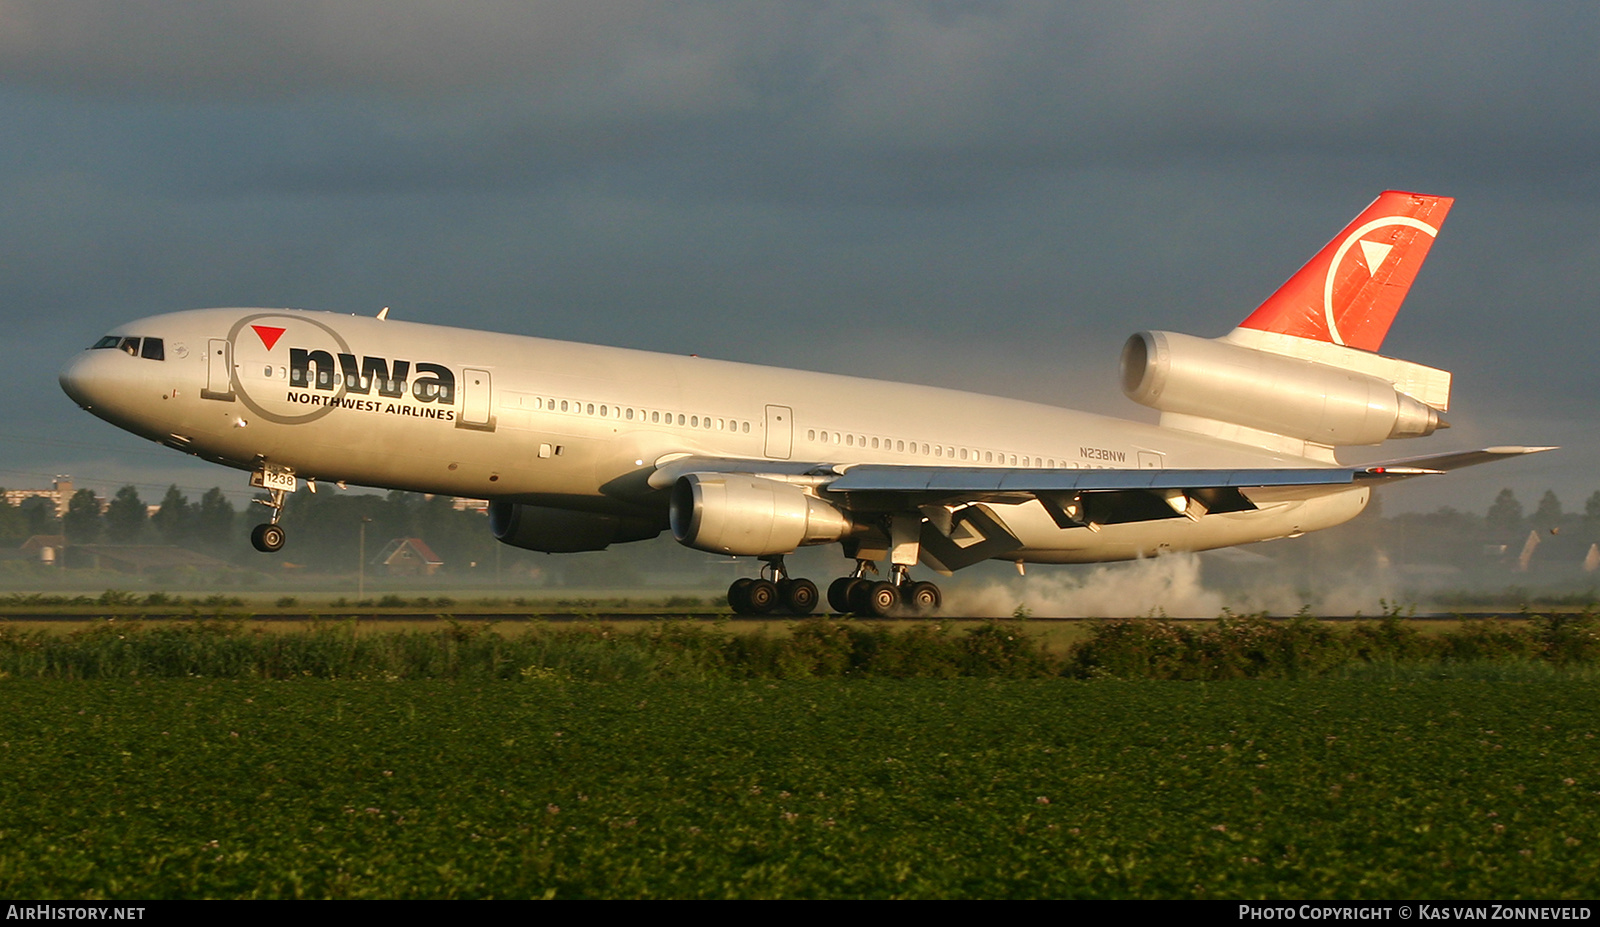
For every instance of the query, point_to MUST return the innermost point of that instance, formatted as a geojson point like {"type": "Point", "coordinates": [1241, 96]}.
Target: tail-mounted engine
{"type": "Point", "coordinates": [1292, 396]}
{"type": "Point", "coordinates": [729, 513]}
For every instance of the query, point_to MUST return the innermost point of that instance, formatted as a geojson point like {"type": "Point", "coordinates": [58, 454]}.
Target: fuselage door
{"type": "Point", "coordinates": [476, 393]}
{"type": "Point", "coordinates": [780, 432]}
{"type": "Point", "coordinates": [219, 371]}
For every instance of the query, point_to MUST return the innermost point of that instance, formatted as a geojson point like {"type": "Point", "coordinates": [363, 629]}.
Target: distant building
{"type": "Point", "coordinates": [60, 493]}
{"type": "Point", "coordinates": [46, 548]}
{"type": "Point", "coordinates": [138, 558]}
{"type": "Point", "coordinates": [408, 557]}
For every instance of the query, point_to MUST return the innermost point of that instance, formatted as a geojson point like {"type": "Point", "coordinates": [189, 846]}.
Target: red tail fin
{"type": "Point", "coordinates": [1349, 293]}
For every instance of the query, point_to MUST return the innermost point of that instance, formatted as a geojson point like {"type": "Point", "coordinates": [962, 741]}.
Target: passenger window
{"type": "Point", "coordinates": [591, 408]}
{"type": "Point", "coordinates": [746, 428]}
{"type": "Point", "coordinates": [155, 349]}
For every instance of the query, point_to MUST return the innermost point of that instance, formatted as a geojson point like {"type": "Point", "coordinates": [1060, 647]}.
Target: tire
{"type": "Point", "coordinates": [839, 594]}
{"type": "Point", "coordinates": [738, 596]}
{"type": "Point", "coordinates": [923, 598]}
{"type": "Point", "coordinates": [762, 596]}
{"type": "Point", "coordinates": [800, 597]}
{"type": "Point", "coordinates": [880, 599]}
{"type": "Point", "coordinates": [267, 538]}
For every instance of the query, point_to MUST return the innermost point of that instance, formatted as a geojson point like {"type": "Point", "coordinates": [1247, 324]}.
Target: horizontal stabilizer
{"type": "Point", "coordinates": [1441, 463]}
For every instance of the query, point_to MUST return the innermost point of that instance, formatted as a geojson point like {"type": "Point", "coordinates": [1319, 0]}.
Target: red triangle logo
{"type": "Point", "coordinates": [269, 335]}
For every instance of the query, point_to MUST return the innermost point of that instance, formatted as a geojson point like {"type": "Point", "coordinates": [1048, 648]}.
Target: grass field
{"type": "Point", "coordinates": [1384, 782]}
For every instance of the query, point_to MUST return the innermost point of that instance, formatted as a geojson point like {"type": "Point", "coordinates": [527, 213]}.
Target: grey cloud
{"type": "Point", "coordinates": [897, 102]}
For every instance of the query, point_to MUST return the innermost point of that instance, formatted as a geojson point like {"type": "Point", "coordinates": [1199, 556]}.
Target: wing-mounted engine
{"type": "Point", "coordinates": [742, 515]}
{"type": "Point", "coordinates": [562, 531]}
{"type": "Point", "coordinates": [1319, 393]}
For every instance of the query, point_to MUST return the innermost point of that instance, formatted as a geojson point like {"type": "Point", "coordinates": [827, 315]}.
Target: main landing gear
{"type": "Point", "coordinates": [269, 538]}
{"type": "Point", "coordinates": [857, 595]}
{"type": "Point", "coordinates": [772, 591]}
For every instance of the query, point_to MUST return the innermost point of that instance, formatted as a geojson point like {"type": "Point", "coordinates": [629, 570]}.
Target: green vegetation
{"type": "Point", "coordinates": [1233, 647]}
{"type": "Point", "coordinates": [1349, 788]}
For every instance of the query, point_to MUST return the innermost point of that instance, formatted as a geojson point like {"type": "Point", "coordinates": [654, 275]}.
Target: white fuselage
{"type": "Point", "coordinates": [441, 410]}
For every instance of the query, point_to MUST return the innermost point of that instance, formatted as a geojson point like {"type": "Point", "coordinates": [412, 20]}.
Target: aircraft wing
{"type": "Point", "coordinates": [1081, 497]}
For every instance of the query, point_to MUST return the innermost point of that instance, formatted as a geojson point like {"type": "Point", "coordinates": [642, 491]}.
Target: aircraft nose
{"type": "Point", "coordinates": [99, 380]}
{"type": "Point", "coordinates": [77, 380]}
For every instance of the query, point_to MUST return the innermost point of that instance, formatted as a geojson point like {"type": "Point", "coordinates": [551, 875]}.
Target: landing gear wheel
{"type": "Point", "coordinates": [839, 594]}
{"type": "Point", "coordinates": [799, 596]}
{"type": "Point", "coordinates": [267, 538]}
{"type": "Point", "coordinates": [761, 596]}
{"type": "Point", "coordinates": [739, 596]}
{"type": "Point", "coordinates": [923, 597]}
{"type": "Point", "coordinates": [880, 599]}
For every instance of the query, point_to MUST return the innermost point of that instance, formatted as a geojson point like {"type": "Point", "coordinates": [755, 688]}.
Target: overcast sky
{"type": "Point", "coordinates": [982, 195]}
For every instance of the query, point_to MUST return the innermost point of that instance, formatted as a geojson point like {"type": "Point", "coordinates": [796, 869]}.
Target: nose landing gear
{"type": "Point", "coordinates": [269, 538]}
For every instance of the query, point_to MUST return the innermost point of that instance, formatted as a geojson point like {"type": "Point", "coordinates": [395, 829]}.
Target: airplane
{"type": "Point", "coordinates": [577, 446]}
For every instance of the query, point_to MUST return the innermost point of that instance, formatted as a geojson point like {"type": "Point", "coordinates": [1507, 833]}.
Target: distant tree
{"type": "Point", "coordinates": [83, 524]}
{"type": "Point", "coordinates": [214, 521]}
{"type": "Point", "coordinates": [39, 516]}
{"type": "Point", "coordinates": [174, 520]}
{"type": "Point", "coordinates": [1505, 515]}
{"type": "Point", "coordinates": [13, 529]}
{"type": "Point", "coordinates": [125, 516]}
{"type": "Point", "coordinates": [1591, 509]}
{"type": "Point", "coordinates": [1548, 514]}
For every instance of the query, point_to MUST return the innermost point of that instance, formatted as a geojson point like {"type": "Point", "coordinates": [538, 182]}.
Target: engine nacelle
{"type": "Point", "coordinates": [747, 516]}
{"type": "Point", "coordinates": [1271, 392]}
{"type": "Point", "coordinates": [562, 531]}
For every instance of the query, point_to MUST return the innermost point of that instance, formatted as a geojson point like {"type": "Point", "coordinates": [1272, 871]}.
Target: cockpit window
{"type": "Point", "coordinates": [147, 348]}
